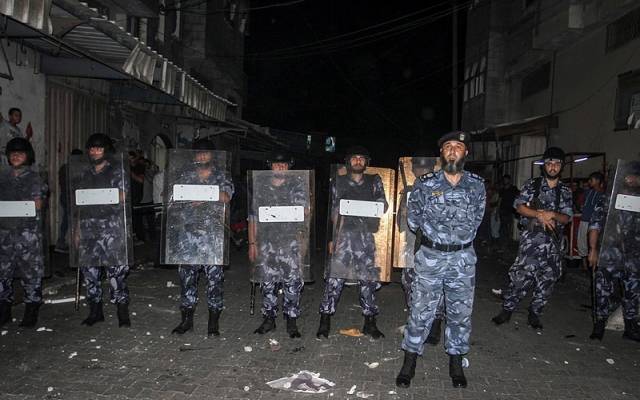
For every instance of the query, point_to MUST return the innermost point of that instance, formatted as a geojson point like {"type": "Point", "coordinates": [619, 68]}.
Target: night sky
{"type": "Point", "coordinates": [387, 87]}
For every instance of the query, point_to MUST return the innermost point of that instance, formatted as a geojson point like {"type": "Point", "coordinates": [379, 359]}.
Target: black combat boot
{"type": "Point", "coordinates": [292, 328]}
{"type": "Point", "coordinates": [123, 315]}
{"type": "Point", "coordinates": [501, 318]}
{"type": "Point", "coordinates": [435, 332]}
{"type": "Point", "coordinates": [187, 321]}
{"type": "Point", "coordinates": [30, 318]}
{"type": "Point", "coordinates": [534, 321]}
{"type": "Point", "coordinates": [370, 327]}
{"type": "Point", "coordinates": [631, 330]}
{"type": "Point", "coordinates": [408, 370]}
{"type": "Point", "coordinates": [268, 324]}
{"type": "Point", "coordinates": [325, 326]}
{"type": "Point", "coordinates": [5, 312]}
{"type": "Point", "coordinates": [455, 371]}
{"type": "Point", "coordinates": [95, 314]}
{"type": "Point", "coordinates": [598, 329]}
{"type": "Point", "coordinates": [213, 328]}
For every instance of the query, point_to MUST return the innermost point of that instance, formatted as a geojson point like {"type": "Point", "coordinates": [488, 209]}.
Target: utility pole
{"type": "Point", "coordinates": [454, 62]}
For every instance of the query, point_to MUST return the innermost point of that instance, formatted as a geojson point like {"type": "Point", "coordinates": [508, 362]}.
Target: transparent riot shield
{"type": "Point", "coordinates": [409, 169]}
{"type": "Point", "coordinates": [361, 224]}
{"type": "Point", "coordinates": [620, 239]}
{"type": "Point", "coordinates": [99, 212]}
{"type": "Point", "coordinates": [280, 216]}
{"type": "Point", "coordinates": [22, 202]}
{"type": "Point", "coordinates": [195, 223]}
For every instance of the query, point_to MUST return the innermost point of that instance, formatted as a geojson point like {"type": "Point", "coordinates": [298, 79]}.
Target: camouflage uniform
{"type": "Point", "coordinates": [101, 239]}
{"type": "Point", "coordinates": [408, 273]}
{"type": "Point", "coordinates": [446, 215]}
{"type": "Point", "coordinates": [539, 256]}
{"type": "Point", "coordinates": [354, 245]}
{"type": "Point", "coordinates": [21, 239]}
{"type": "Point", "coordinates": [280, 250]}
{"type": "Point", "coordinates": [618, 263]}
{"type": "Point", "coordinates": [196, 241]}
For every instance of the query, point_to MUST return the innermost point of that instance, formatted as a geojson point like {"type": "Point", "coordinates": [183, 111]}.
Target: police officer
{"type": "Point", "coordinates": [355, 245]}
{"type": "Point", "coordinates": [619, 258]}
{"type": "Point", "coordinates": [445, 208]}
{"type": "Point", "coordinates": [419, 167]}
{"type": "Point", "coordinates": [21, 239]}
{"type": "Point", "coordinates": [102, 232]}
{"type": "Point", "coordinates": [205, 174]}
{"type": "Point", "coordinates": [545, 206]}
{"type": "Point", "coordinates": [279, 247]}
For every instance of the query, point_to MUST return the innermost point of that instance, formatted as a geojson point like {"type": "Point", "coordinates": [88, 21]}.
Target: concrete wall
{"type": "Point", "coordinates": [585, 97]}
{"type": "Point", "coordinates": [26, 91]}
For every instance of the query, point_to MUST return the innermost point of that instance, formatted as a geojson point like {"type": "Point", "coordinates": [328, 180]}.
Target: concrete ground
{"type": "Point", "coordinates": [68, 361]}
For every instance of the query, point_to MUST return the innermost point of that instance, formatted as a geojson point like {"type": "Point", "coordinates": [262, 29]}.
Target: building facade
{"type": "Point", "coordinates": [552, 72]}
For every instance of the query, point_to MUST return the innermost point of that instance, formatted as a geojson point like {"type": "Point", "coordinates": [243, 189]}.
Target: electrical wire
{"type": "Point", "coordinates": [317, 48]}
{"type": "Point", "coordinates": [247, 10]}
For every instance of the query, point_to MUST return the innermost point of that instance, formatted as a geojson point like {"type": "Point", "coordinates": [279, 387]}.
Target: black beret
{"type": "Point", "coordinates": [459, 136]}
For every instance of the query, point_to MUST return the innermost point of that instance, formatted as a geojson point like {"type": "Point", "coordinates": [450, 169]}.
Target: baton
{"type": "Point", "coordinates": [77, 300]}
{"type": "Point", "coordinates": [252, 300]}
{"type": "Point", "coordinates": [593, 294]}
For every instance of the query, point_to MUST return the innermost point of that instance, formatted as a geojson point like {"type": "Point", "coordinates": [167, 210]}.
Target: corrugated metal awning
{"type": "Point", "coordinates": [75, 40]}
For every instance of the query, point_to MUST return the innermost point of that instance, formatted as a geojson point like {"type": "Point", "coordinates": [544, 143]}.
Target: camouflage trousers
{"type": "Point", "coordinates": [32, 288]}
{"type": "Point", "coordinates": [408, 275]}
{"type": "Point", "coordinates": [117, 277]}
{"type": "Point", "coordinates": [189, 276]}
{"type": "Point", "coordinates": [441, 274]}
{"type": "Point", "coordinates": [333, 289]}
{"type": "Point", "coordinates": [606, 280]}
{"type": "Point", "coordinates": [537, 265]}
{"type": "Point", "coordinates": [291, 298]}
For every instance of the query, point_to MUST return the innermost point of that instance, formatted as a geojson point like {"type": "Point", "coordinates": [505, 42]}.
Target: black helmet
{"type": "Point", "coordinates": [279, 157]}
{"type": "Point", "coordinates": [553, 153]}
{"type": "Point", "coordinates": [203, 144]}
{"type": "Point", "coordinates": [421, 163]}
{"type": "Point", "coordinates": [357, 150]}
{"type": "Point", "coordinates": [100, 140]}
{"type": "Point", "coordinates": [21, 145]}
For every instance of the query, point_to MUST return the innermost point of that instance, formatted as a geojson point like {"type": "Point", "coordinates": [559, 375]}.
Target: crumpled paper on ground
{"type": "Point", "coordinates": [303, 382]}
{"type": "Point", "coordinates": [355, 332]}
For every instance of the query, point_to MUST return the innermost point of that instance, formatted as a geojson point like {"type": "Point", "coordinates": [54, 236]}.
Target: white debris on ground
{"type": "Point", "coordinates": [352, 390]}
{"type": "Point", "coordinates": [274, 345]}
{"type": "Point", "coordinates": [364, 395]}
{"type": "Point", "coordinates": [4, 333]}
{"type": "Point", "coordinates": [248, 349]}
{"type": "Point", "coordinates": [372, 365]}
{"type": "Point", "coordinates": [62, 301]}
{"type": "Point", "coordinates": [75, 353]}
{"type": "Point", "coordinates": [171, 284]}
{"type": "Point", "coordinates": [303, 382]}
{"type": "Point", "coordinates": [610, 361]}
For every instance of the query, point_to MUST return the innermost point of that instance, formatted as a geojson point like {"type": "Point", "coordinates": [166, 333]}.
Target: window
{"type": "Point", "coordinates": [536, 81]}
{"type": "Point", "coordinates": [627, 113]}
{"type": "Point", "coordinates": [623, 30]}
{"type": "Point", "coordinates": [474, 76]}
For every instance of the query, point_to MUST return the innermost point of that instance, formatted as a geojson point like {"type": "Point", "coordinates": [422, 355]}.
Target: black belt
{"type": "Point", "coordinates": [445, 247]}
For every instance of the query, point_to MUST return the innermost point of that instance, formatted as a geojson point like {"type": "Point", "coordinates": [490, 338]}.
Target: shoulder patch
{"type": "Point", "coordinates": [427, 176]}
{"type": "Point", "coordinates": [476, 177]}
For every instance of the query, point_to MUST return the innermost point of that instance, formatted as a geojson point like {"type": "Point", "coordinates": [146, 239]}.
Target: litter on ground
{"type": "Point", "coordinates": [303, 382]}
